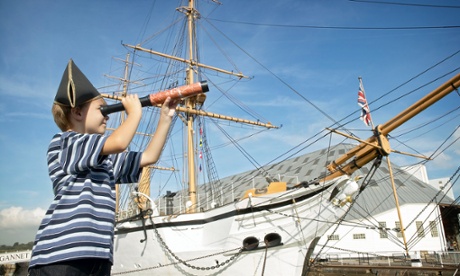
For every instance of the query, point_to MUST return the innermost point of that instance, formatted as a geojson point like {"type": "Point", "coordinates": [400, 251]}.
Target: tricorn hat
{"type": "Point", "coordinates": [75, 89]}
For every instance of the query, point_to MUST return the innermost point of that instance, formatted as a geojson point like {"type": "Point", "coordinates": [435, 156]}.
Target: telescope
{"type": "Point", "coordinates": [159, 97]}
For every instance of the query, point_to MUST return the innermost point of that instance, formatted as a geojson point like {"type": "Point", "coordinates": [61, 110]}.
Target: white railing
{"type": "Point", "coordinates": [423, 258]}
{"type": "Point", "coordinates": [206, 200]}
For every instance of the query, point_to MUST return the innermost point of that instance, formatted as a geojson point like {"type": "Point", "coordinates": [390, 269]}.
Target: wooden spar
{"type": "Point", "coordinates": [421, 105]}
{"type": "Point", "coordinates": [228, 118]}
{"type": "Point", "coordinates": [376, 147]}
{"type": "Point", "coordinates": [379, 144]}
{"type": "Point", "coordinates": [190, 62]}
{"type": "Point", "coordinates": [398, 210]}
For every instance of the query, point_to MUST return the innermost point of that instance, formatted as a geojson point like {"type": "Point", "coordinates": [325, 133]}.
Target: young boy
{"type": "Point", "coordinates": [76, 234]}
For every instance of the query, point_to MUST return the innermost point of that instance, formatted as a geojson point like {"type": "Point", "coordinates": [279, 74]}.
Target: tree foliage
{"type": "Point", "coordinates": [16, 247]}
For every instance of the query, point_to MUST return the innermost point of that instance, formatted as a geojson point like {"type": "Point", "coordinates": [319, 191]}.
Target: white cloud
{"type": "Point", "coordinates": [19, 225]}
{"type": "Point", "coordinates": [16, 217]}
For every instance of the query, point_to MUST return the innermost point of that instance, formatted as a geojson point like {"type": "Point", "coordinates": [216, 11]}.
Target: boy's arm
{"type": "Point", "coordinates": [119, 140]}
{"type": "Point", "coordinates": [153, 150]}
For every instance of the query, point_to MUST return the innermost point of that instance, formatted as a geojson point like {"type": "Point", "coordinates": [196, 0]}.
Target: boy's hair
{"type": "Point", "coordinates": [61, 116]}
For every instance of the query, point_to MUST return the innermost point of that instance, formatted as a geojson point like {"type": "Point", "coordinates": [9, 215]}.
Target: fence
{"type": "Point", "coordinates": [426, 259]}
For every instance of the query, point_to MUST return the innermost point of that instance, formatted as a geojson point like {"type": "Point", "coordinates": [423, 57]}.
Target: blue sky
{"type": "Point", "coordinates": [317, 59]}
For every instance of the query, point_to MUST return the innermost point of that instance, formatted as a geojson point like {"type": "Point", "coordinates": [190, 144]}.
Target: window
{"type": "Point", "coordinates": [359, 236]}
{"type": "Point", "coordinates": [383, 230]}
{"type": "Point", "coordinates": [420, 230]}
{"type": "Point", "coordinates": [398, 227]}
{"type": "Point", "coordinates": [333, 237]}
{"type": "Point", "coordinates": [433, 229]}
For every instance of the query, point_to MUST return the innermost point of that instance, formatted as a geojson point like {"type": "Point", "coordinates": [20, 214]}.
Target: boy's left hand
{"type": "Point", "coordinates": [169, 107]}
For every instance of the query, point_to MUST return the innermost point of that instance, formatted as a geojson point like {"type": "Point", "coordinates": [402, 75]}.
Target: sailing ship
{"type": "Point", "coordinates": [203, 230]}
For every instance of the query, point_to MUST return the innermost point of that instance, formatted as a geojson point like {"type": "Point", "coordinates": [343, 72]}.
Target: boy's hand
{"type": "Point", "coordinates": [132, 104]}
{"type": "Point", "coordinates": [169, 107]}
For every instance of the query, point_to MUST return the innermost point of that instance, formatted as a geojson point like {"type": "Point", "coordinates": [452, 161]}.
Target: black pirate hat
{"type": "Point", "coordinates": [75, 89]}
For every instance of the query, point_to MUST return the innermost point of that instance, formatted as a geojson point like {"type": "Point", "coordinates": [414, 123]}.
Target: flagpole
{"type": "Point", "coordinates": [361, 87]}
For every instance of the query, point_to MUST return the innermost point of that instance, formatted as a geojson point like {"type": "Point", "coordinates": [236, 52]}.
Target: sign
{"type": "Point", "coordinates": [15, 257]}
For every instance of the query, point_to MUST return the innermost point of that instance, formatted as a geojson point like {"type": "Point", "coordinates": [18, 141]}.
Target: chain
{"type": "Point", "coordinates": [163, 243]}
{"type": "Point", "coordinates": [186, 263]}
{"type": "Point", "coordinates": [179, 261]}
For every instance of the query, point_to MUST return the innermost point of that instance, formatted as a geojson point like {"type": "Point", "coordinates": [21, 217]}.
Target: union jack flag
{"type": "Point", "coordinates": [365, 111]}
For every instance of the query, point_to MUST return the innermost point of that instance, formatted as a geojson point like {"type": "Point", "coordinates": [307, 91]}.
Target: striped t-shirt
{"type": "Point", "coordinates": [80, 221]}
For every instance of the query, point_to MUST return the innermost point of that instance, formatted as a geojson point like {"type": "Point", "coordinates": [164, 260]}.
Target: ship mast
{"type": "Point", "coordinates": [191, 103]}
{"type": "Point", "coordinates": [125, 81]}
{"type": "Point", "coordinates": [190, 109]}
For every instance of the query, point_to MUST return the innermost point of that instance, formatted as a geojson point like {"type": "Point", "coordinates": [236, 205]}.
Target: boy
{"type": "Point", "coordinates": [76, 235]}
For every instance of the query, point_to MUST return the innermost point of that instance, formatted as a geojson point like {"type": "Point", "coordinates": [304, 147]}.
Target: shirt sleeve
{"type": "Point", "coordinates": [80, 152]}
{"type": "Point", "coordinates": [126, 167]}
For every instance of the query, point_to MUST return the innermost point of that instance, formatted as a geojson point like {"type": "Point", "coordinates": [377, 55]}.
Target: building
{"type": "Point", "coordinates": [428, 217]}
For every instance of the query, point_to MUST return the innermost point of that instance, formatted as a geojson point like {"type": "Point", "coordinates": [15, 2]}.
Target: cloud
{"type": "Point", "coordinates": [19, 225]}
{"type": "Point", "coordinates": [16, 217]}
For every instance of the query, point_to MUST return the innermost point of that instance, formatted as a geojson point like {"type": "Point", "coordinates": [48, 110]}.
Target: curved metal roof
{"type": "Point", "coordinates": [376, 198]}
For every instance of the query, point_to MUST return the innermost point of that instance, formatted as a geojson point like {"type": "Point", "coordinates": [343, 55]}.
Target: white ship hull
{"type": "Point", "coordinates": [211, 243]}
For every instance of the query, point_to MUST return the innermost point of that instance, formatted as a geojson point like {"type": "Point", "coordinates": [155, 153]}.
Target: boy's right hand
{"type": "Point", "coordinates": [120, 138]}
{"type": "Point", "coordinates": [132, 104]}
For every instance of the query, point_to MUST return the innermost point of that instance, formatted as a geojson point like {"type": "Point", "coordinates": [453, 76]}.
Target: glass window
{"type": "Point", "coordinates": [359, 236]}
{"type": "Point", "coordinates": [383, 230]}
{"type": "Point", "coordinates": [333, 237]}
{"type": "Point", "coordinates": [398, 227]}
{"type": "Point", "coordinates": [433, 229]}
{"type": "Point", "coordinates": [420, 230]}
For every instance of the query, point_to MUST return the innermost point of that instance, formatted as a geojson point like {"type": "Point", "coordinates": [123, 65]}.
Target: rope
{"type": "Point", "coordinates": [370, 174]}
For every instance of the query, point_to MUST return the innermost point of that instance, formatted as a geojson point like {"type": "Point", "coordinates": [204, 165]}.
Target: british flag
{"type": "Point", "coordinates": [365, 111]}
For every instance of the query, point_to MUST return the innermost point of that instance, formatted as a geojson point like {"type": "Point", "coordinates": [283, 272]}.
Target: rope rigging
{"type": "Point", "coordinates": [370, 174]}
{"type": "Point", "coordinates": [214, 179]}
{"type": "Point", "coordinates": [443, 195]}
{"type": "Point", "coordinates": [305, 99]}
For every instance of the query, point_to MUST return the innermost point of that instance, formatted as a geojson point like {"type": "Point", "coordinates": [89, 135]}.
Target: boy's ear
{"type": "Point", "coordinates": [76, 113]}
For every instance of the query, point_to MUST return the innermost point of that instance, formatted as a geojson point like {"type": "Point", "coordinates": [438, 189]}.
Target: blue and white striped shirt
{"type": "Point", "coordinates": [80, 221]}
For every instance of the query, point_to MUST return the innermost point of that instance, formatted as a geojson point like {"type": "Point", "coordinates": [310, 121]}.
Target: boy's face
{"type": "Point", "coordinates": [95, 122]}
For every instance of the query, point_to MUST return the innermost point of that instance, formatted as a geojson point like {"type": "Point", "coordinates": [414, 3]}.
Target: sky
{"type": "Point", "coordinates": [293, 49]}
